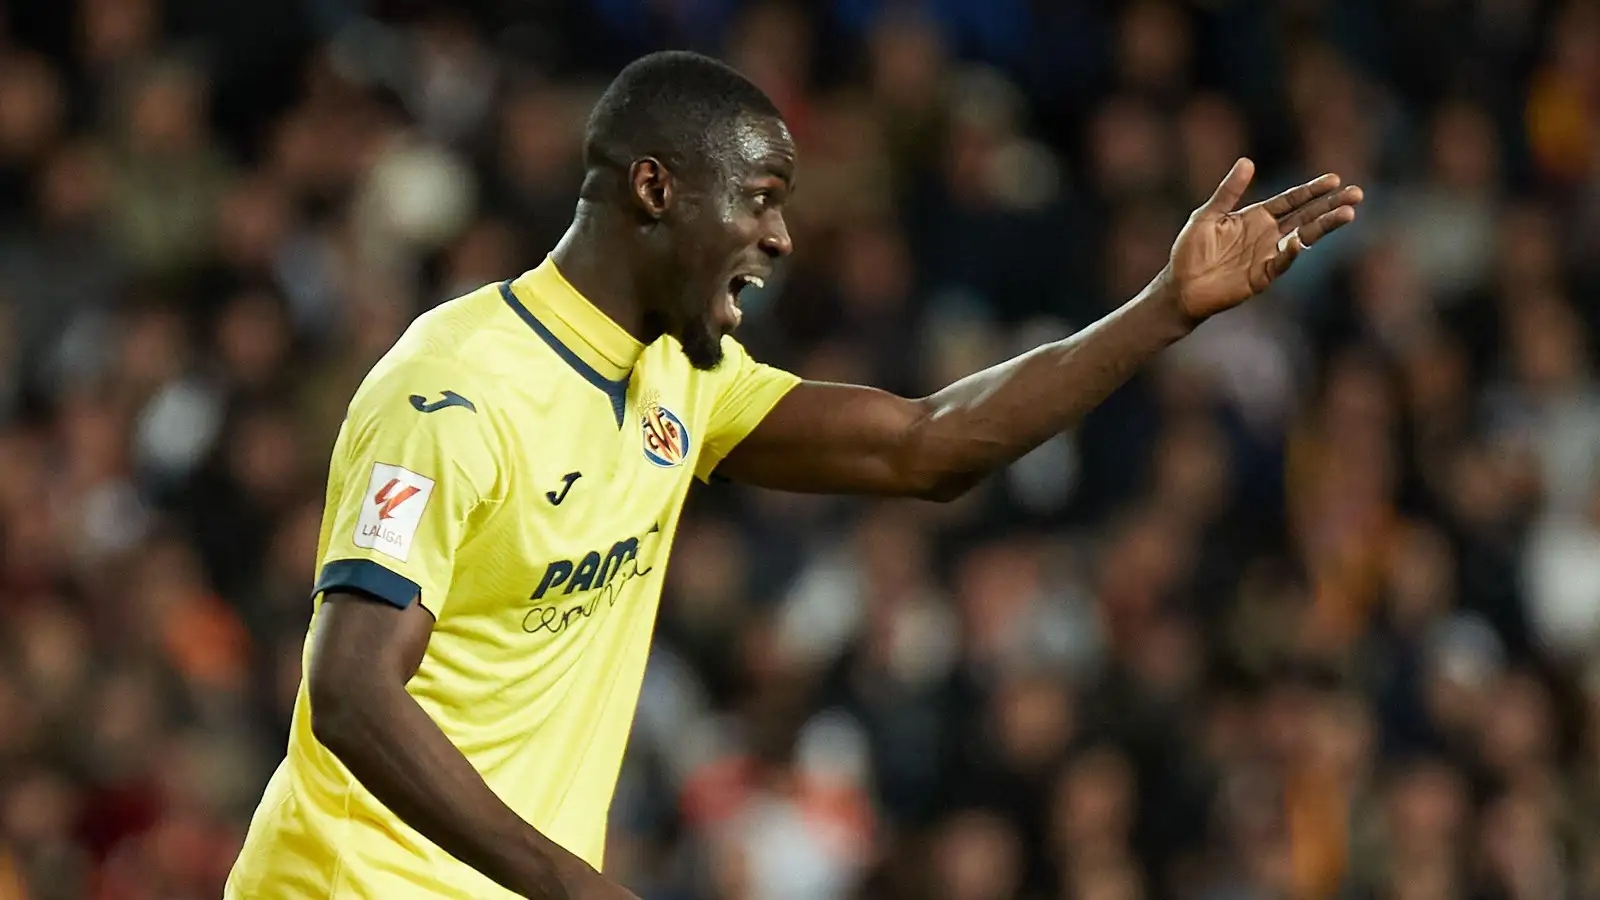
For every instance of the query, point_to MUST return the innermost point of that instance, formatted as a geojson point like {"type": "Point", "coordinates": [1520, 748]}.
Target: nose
{"type": "Point", "coordinates": [776, 242]}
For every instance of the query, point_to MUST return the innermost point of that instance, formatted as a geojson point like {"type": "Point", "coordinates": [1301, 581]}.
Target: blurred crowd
{"type": "Point", "coordinates": [1310, 610]}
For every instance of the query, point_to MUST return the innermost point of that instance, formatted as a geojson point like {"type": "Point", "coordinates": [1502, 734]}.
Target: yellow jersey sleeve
{"type": "Point", "coordinates": [415, 461]}
{"type": "Point", "coordinates": [746, 391]}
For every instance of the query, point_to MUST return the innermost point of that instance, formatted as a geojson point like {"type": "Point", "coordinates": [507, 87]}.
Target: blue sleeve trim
{"type": "Point", "coordinates": [367, 577]}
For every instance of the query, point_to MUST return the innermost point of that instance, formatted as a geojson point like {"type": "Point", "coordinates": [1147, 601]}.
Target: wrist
{"type": "Point", "coordinates": [1164, 296]}
{"type": "Point", "coordinates": [540, 872]}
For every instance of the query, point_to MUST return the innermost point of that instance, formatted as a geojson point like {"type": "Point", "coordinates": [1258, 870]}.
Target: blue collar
{"type": "Point", "coordinates": [616, 389]}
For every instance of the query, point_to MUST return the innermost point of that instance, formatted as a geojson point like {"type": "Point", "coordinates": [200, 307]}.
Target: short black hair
{"type": "Point", "coordinates": [674, 105]}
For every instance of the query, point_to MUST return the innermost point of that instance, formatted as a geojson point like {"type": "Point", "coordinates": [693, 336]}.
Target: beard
{"type": "Point", "coordinates": [702, 343]}
{"type": "Point", "coordinates": [700, 339]}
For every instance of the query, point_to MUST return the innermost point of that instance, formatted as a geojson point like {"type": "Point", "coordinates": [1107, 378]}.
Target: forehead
{"type": "Point", "coordinates": [758, 145]}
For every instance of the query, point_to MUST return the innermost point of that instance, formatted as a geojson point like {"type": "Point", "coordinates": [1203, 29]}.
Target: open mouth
{"type": "Point", "coordinates": [739, 282]}
{"type": "Point", "coordinates": [736, 284]}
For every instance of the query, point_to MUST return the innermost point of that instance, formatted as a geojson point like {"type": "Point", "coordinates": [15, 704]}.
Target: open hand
{"type": "Point", "coordinates": [1223, 256]}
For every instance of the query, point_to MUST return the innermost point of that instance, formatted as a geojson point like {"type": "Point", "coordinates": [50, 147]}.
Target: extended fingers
{"type": "Point", "coordinates": [1296, 197]}
{"type": "Point", "coordinates": [1292, 244]}
{"type": "Point", "coordinates": [1321, 206]}
{"type": "Point", "coordinates": [1328, 222]}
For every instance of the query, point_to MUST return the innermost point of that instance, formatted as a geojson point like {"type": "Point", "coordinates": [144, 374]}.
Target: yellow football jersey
{"type": "Point", "coordinates": [517, 462]}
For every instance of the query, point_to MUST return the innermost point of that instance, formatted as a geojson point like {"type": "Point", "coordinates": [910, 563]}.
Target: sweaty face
{"type": "Point", "coordinates": [730, 232]}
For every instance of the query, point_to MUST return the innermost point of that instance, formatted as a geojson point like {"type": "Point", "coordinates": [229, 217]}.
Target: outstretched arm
{"type": "Point", "coordinates": [363, 653]}
{"type": "Point", "coordinates": [829, 438]}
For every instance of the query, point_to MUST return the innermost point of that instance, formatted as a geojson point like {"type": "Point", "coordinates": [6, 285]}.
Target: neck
{"type": "Point", "coordinates": [587, 256]}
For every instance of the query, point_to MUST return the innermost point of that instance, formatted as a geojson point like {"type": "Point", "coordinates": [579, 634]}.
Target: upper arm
{"type": "Point", "coordinates": [407, 477]}
{"type": "Point", "coordinates": [359, 641]}
{"type": "Point", "coordinates": [835, 438]}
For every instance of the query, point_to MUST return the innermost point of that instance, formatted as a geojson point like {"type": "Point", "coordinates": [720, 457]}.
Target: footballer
{"type": "Point", "coordinates": [507, 482]}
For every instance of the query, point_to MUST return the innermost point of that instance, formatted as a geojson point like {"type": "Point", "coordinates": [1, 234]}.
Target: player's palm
{"type": "Point", "coordinates": [1224, 256]}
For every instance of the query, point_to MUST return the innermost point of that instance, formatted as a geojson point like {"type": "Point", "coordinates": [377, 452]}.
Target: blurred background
{"type": "Point", "coordinates": [1310, 610]}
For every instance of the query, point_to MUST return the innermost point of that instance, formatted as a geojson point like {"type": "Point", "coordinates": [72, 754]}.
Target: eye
{"type": "Point", "coordinates": [764, 199]}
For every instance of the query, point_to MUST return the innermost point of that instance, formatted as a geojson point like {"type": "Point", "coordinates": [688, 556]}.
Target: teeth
{"type": "Point", "coordinates": [755, 282]}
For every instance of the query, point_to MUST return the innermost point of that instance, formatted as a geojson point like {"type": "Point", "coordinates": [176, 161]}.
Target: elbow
{"type": "Point", "coordinates": [923, 478]}
{"type": "Point", "coordinates": [943, 488]}
{"type": "Point", "coordinates": [926, 468]}
{"type": "Point", "coordinates": [950, 490]}
{"type": "Point", "coordinates": [925, 475]}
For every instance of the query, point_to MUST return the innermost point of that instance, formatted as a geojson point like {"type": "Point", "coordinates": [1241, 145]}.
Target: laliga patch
{"type": "Point", "coordinates": [666, 440]}
{"type": "Point", "coordinates": [391, 510]}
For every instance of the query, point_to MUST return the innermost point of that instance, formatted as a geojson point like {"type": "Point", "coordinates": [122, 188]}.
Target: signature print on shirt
{"type": "Point", "coordinates": [597, 579]}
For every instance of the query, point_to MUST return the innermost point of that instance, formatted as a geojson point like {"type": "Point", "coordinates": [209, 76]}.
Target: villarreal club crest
{"type": "Point", "coordinates": [666, 440]}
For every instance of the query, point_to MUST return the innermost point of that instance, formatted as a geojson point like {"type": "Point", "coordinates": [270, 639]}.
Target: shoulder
{"type": "Point", "coordinates": [416, 379]}
{"type": "Point", "coordinates": [737, 362]}
{"type": "Point", "coordinates": [733, 351]}
{"type": "Point", "coordinates": [453, 346]}
{"type": "Point", "coordinates": [420, 391]}
{"type": "Point", "coordinates": [740, 371]}
{"type": "Point", "coordinates": [458, 329]}
{"type": "Point", "coordinates": [738, 374]}
{"type": "Point", "coordinates": [430, 414]}
{"type": "Point", "coordinates": [667, 372]}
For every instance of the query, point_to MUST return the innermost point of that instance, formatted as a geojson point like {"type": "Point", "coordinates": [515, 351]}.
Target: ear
{"type": "Point", "coordinates": [651, 186]}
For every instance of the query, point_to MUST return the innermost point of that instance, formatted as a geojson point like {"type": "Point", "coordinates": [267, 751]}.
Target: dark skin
{"type": "Point", "coordinates": [685, 235]}
{"type": "Point", "coordinates": [658, 251]}
{"type": "Point", "coordinates": [832, 438]}
{"type": "Point", "coordinates": [363, 653]}
{"type": "Point", "coordinates": [661, 252]}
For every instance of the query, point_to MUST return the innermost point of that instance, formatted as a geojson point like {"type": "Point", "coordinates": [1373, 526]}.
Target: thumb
{"type": "Point", "coordinates": [1232, 188]}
